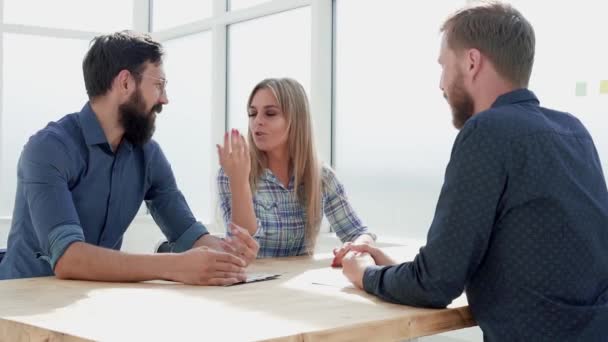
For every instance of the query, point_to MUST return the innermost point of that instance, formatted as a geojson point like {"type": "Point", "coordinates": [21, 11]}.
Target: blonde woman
{"type": "Point", "coordinates": [273, 185]}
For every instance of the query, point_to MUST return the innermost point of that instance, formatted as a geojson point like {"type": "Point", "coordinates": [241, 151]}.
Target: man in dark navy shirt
{"type": "Point", "coordinates": [521, 224]}
{"type": "Point", "coordinates": [82, 180]}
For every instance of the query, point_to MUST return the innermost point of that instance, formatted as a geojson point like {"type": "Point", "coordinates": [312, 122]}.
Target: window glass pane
{"type": "Point", "coordinates": [103, 16]}
{"type": "Point", "coordinates": [578, 57]}
{"type": "Point", "coordinates": [258, 50]}
{"type": "Point", "coordinates": [170, 13]}
{"type": "Point", "coordinates": [240, 4]}
{"type": "Point", "coordinates": [34, 94]}
{"type": "Point", "coordinates": [393, 129]}
{"type": "Point", "coordinates": [183, 127]}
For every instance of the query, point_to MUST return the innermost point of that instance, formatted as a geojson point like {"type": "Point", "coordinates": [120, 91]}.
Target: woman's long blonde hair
{"type": "Point", "coordinates": [303, 162]}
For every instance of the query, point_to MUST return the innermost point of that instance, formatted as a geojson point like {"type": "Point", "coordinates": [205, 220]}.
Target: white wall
{"type": "Point", "coordinates": [4, 228]}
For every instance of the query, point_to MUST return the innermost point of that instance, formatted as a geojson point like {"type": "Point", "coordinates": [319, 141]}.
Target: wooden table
{"type": "Point", "coordinates": [309, 302]}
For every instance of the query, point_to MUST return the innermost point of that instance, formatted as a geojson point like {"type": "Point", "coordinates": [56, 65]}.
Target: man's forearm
{"type": "Point", "coordinates": [88, 262]}
{"type": "Point", "coordinates": [407, 284]}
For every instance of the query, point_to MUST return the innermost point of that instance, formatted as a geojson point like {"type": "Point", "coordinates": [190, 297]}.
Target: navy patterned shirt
{"type": "Point", "coordinates": [72, 187]}
{"type": "Point", "coordinates": [521, 226]}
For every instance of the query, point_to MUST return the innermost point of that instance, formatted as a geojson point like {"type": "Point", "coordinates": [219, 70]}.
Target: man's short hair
{"type": "Point", "coordinates": [112, 53]}
{"type": "Point", "coordinates": [499, 32]}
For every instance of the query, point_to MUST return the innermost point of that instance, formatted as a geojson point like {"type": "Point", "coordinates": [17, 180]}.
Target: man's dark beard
{"type": "Point", "coordinates": [461, 103]}
{"type": "Point", "coordinates": [138, 125]}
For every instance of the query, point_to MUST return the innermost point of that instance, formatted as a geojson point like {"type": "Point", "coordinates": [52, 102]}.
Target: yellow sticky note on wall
{"type": "Point", "coordinates": [604, 87]}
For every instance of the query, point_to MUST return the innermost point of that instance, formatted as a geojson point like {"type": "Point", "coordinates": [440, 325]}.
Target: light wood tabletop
{"type": "Point", "coordinates": [309, 302]}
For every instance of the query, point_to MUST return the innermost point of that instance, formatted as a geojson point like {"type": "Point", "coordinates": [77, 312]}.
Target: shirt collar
{"type": "Point", "coordinates": [516, 96]}
{"type": "Point", "coordinates": [91, 128]}
{"type": "Point", "coordinates": [268, 176]}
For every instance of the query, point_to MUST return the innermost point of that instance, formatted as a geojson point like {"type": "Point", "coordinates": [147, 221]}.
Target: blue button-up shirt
{"type": "Point", "coordinates": [521, 225]}
{"type": "Point", "coordinates": [72, 187]}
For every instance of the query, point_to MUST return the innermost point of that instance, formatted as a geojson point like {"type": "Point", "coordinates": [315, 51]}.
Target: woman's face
{"type": "Point", "coordinates": [267, 122]}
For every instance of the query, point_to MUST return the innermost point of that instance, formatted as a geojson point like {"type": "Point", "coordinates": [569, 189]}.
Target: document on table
{"type": "Point", "coordinates": [328, 277]}
{"type": "Point", "coordinates": [253, 277]}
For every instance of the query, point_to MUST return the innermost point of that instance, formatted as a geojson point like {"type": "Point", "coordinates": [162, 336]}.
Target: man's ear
{"type": "Point", "coordinates": [124, 82]}
{"type": "Point", "coordinates": [474, 61]}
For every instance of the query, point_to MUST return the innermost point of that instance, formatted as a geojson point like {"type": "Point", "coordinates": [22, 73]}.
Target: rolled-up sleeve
{"type": "Point", "coordinates": [44, 170]}
{"type": "Point", "coordinates": [168, 205]}
{"type": "Point", "coordinates": [340, 214]}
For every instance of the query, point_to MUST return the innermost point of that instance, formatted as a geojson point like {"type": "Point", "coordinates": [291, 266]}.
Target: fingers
{"type": "Point", "coordinates": [241, 276]}
{"type": "Point", "coordinates": [226, 246]}
{"type": "Point", "coordinates": [221, 266]}
{"type": "Point", "coordinates": [235, 246]}
{"type": "Point", "coordinates": [363, 248]}
{"type": "Point", "coordinates": [234, 156]}
{"type": "Point", "coordinates": [243, 235]}
{"type": "Point", "coordinates": [223, 281]}
{"type": "Point", "coordinates": [379, 256]}
{"type": "Point", "coordinates": [241, 249]}
{"type": "Point", "coordinates": [350, 255]}
{"type": "Point", "coordinates": [226, 278]}
{"type": "Point", "coordinates": [227, 145]}
{"type": "Point", "coordinates": [237, 142]}
{"type": "Point", "coordinates": [224, 269]}
{"type": "Point", "coordinates": [220, 154]}
{"type": "Point", "coordinates": [234, 141]}
{"type": "Point", "coordinates": [343, 250]}
{"type": "Point", "coordinates": [339, 254]}
{"type": "Point", "coordinates": [230, 259]}
{"type": "Point", "coordinates": [347, 262]}
{"type": "Point", "coordinates": [244, 146]}
{"type": "Point", "coordinates": [239, 145]}
{"type": "Point", "coordinates": [248, 254]}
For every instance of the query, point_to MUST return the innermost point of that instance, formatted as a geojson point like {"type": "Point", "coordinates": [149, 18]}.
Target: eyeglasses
{"type": "Point", "coordinates": [162, 86]}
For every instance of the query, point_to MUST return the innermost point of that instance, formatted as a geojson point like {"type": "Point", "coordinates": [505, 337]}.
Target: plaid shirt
{"type": "Point", "coordinates": [281, 219]}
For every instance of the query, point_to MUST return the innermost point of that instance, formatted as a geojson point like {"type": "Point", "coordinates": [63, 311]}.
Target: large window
{"type": "Point", "coordinates": [102, 16]}
{"type": "Point", "coordinates": [42, 46]}
{"type": "Point", "coordinates": [568, 71]}
{"type": "Point", "coordinates": [393, 131]}
{"type": "Point", "coordinates": [35, 90]}
{"type": "Point", "coordinates": [183, 129]}
{"type": "Point", "coordinates": [170, 13]}
{"type": "Point", "coordinates": [240, 4]}
{"type": "Point", "coordinates": [258, 49]}
{"type": "Point", "coordinates": [213, 59]}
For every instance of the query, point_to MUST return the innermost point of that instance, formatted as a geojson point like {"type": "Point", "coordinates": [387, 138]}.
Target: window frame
{"type": "Point", "coordinates": [217, 24]}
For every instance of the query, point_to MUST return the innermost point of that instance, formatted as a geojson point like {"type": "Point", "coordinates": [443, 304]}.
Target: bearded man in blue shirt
{"type": "Point", "coordinates": [521, 224]}
{"type": "Point", "coordinates": [82, 179]}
